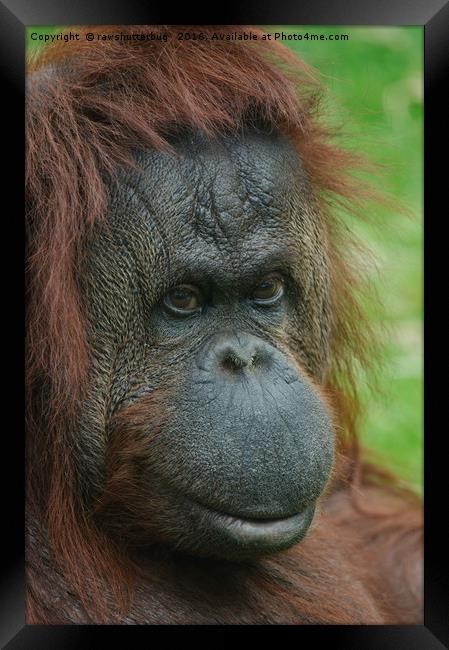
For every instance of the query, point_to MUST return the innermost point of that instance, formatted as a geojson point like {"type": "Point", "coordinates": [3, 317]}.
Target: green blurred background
{"type": "Point", "coordinates": [375, 83]}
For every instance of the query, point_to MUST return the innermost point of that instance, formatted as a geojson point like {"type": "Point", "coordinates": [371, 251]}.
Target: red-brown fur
{"type": "Point", "coordinates": [361, 560]}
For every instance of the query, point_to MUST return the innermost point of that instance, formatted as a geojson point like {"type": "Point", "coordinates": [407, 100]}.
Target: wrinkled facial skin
{"type": "Point", "coordinates": [231, 443]}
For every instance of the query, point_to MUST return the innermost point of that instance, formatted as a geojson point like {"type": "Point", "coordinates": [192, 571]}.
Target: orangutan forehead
{"type": "Point", "coordinates": [217, 190]}
{"type": "Point", "coordinates": [232, 208]}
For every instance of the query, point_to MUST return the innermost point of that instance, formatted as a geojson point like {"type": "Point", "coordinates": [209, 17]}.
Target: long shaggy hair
{"type": "Point", "coordinates": [88, 107]}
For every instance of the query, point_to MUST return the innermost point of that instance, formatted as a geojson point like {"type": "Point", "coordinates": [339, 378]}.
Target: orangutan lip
{"type": "Point", "coordinates": [253, 530]}
{"type": "Point", "coordinates": [255, 521]}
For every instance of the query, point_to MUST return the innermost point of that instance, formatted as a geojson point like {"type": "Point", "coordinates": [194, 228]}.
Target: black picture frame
{"type": "Point", "coordinates": [433, 15]}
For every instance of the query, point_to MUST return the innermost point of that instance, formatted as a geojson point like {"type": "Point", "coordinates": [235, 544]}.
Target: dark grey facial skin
{"type": "Point", "coordinates": [246, 446]}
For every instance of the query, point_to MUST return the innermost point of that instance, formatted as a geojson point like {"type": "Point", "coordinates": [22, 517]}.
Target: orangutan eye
{"type": "Point", "coordinates": [269, 290]}
{"type": "Point", "coordinates": [183, 300]}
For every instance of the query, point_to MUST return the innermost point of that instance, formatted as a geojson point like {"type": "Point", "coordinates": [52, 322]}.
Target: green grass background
{"type": "Point", "coordinates": [375, 83]}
